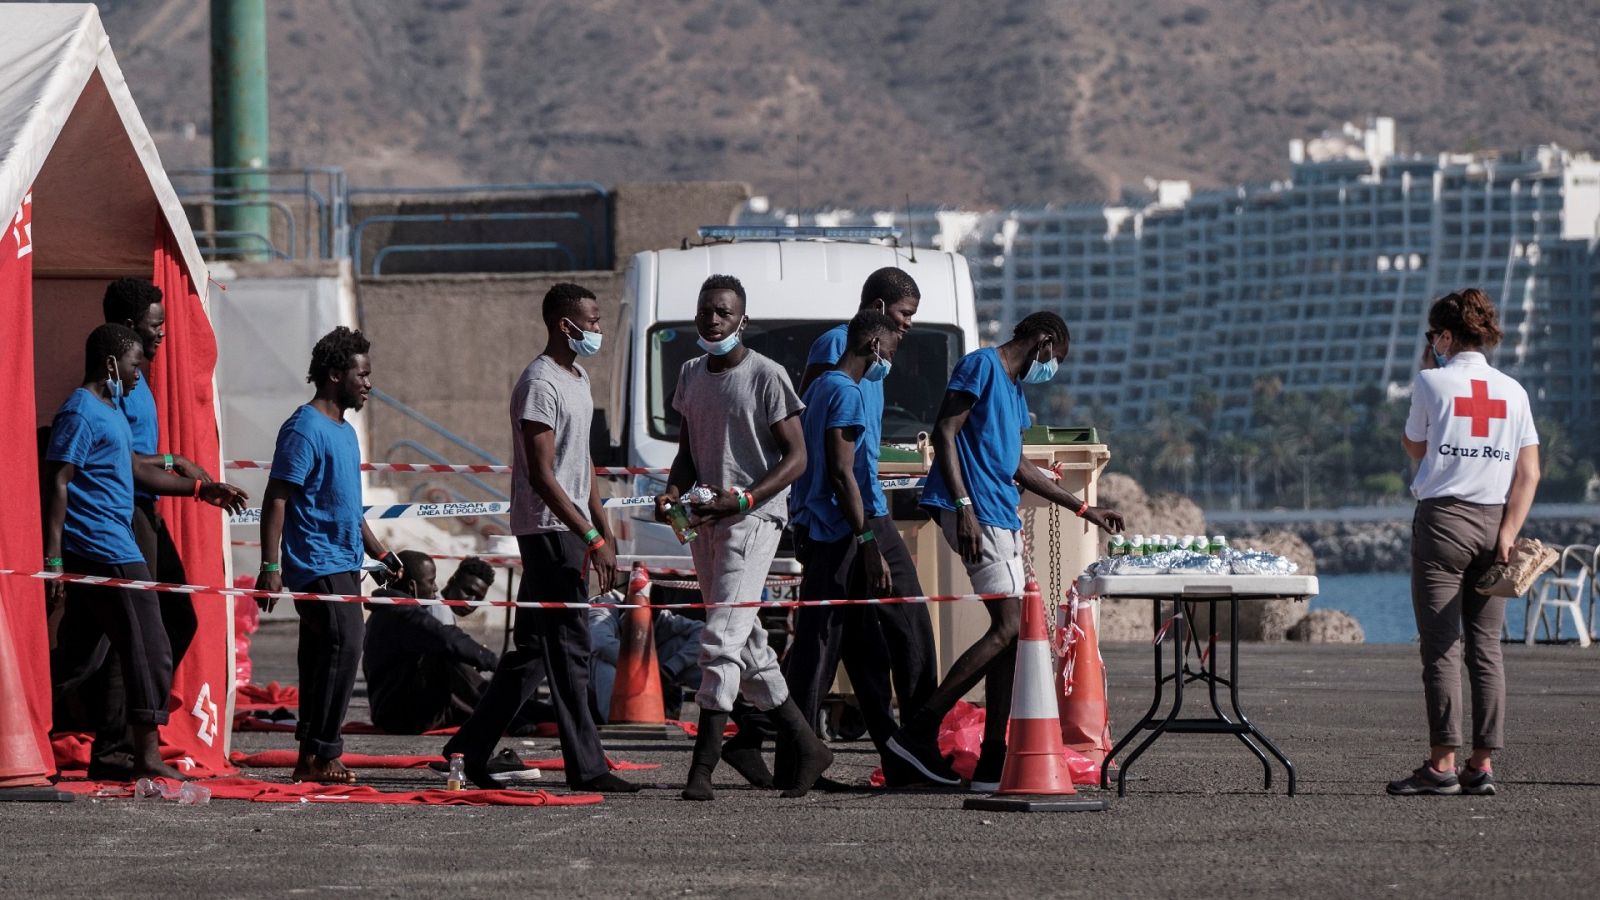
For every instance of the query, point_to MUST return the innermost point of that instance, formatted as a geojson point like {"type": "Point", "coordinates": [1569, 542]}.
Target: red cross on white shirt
{"type": "Point", "coordinates": [1480, 408]}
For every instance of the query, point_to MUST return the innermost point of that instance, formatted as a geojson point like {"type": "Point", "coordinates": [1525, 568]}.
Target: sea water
{"type": "Point", "coordinates": [1381, 602]}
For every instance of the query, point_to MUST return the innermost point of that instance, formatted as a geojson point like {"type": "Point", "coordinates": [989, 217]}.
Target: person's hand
{"type": "Point", "coordinates": [721, 506]}
{"type": "Point", "coordinates": [1104, 519]}
{"type": "Point", "coordinates": [224, 495]}
{"type": "Point", "coordinates": [1505, 547]}
{"type": "Point", "coordinates": [188, 468]}
{"type": "Point", "coordinates": [604, 560]}
{"type": "Point", "coordinates": [876, 569]}
{"type": "Point", "coordinates": [55, 591]}
{"type": "Point", "coordinates": [271, 582]}
{"type": "Point", "coordinates": [393, 570]}
{"type": "Point", "coordinates": [969, 535]}
{"type": "Point", "coordinates": [664, 500]}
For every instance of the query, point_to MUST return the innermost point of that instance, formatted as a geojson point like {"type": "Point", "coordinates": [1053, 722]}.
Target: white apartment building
{"type": "Point", "coordinates": [1322, 279]}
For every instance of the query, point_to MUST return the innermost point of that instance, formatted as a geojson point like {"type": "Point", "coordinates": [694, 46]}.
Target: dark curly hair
{"type": "Point", "coordinates": [109, 339]}
{"type": "Point", "coordinates": [889, 284]}
{"type": "Point", "coordinates": [561, 301]}
{"type": "Point", "coordinates": [334, 353]}
{"type": "Point", "coordinates": [474, 567]}
{"type": "Point", "coordinates": [126, 299]}
{"type": "Point", "coordinates": [724, 283]}
{"type": "Point", "coordinates": [868, 324]}
{"type": "Point", "coordinates": [1046, 323]}
{"type": "Point", "coordinates": [1469, 315]}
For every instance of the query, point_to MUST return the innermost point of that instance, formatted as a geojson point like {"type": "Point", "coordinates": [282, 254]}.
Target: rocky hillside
{"type": "Point", "coordinates": [867, 101]}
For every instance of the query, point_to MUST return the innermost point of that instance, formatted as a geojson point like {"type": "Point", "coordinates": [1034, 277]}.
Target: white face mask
{"type": "Point", "coordinates": [588, 345]}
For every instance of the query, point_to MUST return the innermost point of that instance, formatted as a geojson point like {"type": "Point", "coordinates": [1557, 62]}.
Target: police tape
{"type": "Point", "coordinates": [201, 590]}
{"type": "Point", "coordinates": [471, 509]}
{"type": "Point", "coordinates": [446, 468]}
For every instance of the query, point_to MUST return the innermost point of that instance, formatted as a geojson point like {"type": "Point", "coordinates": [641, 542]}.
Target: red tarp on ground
{"type": "Point", "coordinates": [25, 674]}
{"type": "Point", "coordinates": [285, 759]}
{"type": "Point", "coordinates": [239, 788]}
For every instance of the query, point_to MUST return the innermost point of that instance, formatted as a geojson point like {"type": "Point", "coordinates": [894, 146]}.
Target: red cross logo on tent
{"type": "Point", "coordinates": [22, 226]}
{"type": "Point", "coordinates": [1480, 408]}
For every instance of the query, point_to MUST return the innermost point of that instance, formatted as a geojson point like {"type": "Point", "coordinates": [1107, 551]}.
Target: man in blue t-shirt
{"type": "Point", "coordinates": [901, 635]}
{"type": "Point", "coordinates": [89, 476]}
{"type": "Point", "coordinates": [833, 507]}
{"type": "Point", "coordinates": [83, 662]}
{"type": "Point", "coordinates": [312, 538]}
{"type": "Point", "coordinates": [972, 492]}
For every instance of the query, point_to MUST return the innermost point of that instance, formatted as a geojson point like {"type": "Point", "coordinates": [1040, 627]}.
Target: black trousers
{"type": "Point", "coordinates": [87, 672]}
{"type": "Point", "coordinates": [115, 638]}
{"type": "Point", "coordinates": [329, 658]}
{"type": "Point", "coordinates": [441, 692]}
{"type": "Point", "coordinates": [880, 646]}
{"type": "Point", "coordinates": [554, 642]}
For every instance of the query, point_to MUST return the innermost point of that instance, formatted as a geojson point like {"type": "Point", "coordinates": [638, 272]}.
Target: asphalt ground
{"type": "Point", "coordinates": [1196, 821]}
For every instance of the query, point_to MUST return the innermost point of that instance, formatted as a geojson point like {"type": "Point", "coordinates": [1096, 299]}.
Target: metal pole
{"type": "Point", "coordinates": [239, 136]}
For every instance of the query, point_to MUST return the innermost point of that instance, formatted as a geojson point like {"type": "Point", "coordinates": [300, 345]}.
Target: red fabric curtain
{"type": "Point", "coordinates": [24, 637]}
{"type": "Point", "coordinates": [181, 380]}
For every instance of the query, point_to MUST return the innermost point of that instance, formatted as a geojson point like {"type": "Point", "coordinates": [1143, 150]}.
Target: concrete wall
{"type": "Point", "coordinates": [452, 345]}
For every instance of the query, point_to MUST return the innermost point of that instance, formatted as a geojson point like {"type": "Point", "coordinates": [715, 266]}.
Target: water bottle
{"type": "Point", "coordinates": [1136, 545]}
{"type": "Point", "coordinates": [192, 794]}
{"type": "Point", "coordinates": [146, 789]}
{"type": "Point", "coordinates": [457, 779]}
{"type": "Point", "coordinates": [1117, 547]}
{"type": "Point", "coordinates": [679, 519]}
{"type": "Point", "coordinates": [1219, 545]}
{"type": "Point", "coordinates": [1186, 543]}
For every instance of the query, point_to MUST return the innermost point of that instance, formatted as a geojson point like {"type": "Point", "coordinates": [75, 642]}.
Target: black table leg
{"type": "Point", "coordinates": [1216, 706]}
{"type": "Point", "coordinates": [1233, 697]}
{"type": "Point", "coordinates": [1177, 699]}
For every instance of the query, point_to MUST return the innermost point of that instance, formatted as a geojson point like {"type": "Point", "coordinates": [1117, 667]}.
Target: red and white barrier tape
{"type": "Point", "coordinates": [173, 588]}
{"type": "Point", "coordinates": [445, 468]}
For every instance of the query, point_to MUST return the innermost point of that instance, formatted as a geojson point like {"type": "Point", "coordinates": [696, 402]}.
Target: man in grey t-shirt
{"type": "Point", "coordinates": [561, 531]}
{"type": "Point", "coordinates": [741, 437]}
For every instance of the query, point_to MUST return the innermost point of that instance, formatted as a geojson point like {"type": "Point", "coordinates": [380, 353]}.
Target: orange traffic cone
{"type": "Point", "coordinates": [1036, 777]}
{"type": "Point", "coordinates": [636, 695]}
{"type": "Point", "coordinates": [22, 765]}
{"type": "Point", "coordinates": [1081, 682]}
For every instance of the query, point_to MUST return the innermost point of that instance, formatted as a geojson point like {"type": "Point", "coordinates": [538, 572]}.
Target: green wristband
{"type": "Point", "coordinates": [166, 461]}
{"type": "Point", "coordinates": [590, 536]}
{"type": "Point", "coordinates": [866, 537]}
{"type": "Point", "coordinates": [54, 561]}
{"type": "Point", "coordinates": [271, 567]}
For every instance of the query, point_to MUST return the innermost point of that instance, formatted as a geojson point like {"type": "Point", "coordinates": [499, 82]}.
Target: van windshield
{"type": "Point", "coordinates": [911, 394]}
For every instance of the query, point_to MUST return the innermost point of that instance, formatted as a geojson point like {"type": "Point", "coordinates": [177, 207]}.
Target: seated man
{"type": "Point", "coordinates": [422, 670]}
{"type": "Point", "coordinates": [677, 656]}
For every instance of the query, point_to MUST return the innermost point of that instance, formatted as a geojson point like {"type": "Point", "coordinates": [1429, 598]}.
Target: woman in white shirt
{"type": "Point", "coordinates": [1472, 432]}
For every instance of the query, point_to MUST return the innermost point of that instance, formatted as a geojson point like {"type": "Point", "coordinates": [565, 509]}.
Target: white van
{"type": "Point", "coordinates": [799, 282]}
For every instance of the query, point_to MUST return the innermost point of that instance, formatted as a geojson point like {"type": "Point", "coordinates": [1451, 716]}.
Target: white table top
{"type": "Point", "coordinates": [1220, 587]}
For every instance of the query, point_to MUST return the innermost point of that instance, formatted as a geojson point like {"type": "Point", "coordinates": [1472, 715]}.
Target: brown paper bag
{"type": "Point", "coordinates": [1530, 558]}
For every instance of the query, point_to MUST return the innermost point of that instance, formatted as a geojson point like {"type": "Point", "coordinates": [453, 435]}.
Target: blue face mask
{"type": "Point", "coordinates": [878, 369]}
{"type": "Point", "coordinates": [114, 386]}
{"type": "Point", "coordinates": [1439, 359]}
{"type": "Point", "coordinates": [719, 348]}
{"type": "Point", "coordinates": [1041, 372]}
{"type": "Point", "coordinates": [589, 345]}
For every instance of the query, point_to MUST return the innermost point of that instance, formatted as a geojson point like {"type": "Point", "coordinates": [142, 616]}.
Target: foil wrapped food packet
{"type": "Point", "coordinates": [1259, 562]}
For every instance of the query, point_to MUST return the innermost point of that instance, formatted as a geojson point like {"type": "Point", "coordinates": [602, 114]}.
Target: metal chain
{"type": "Point", "coordinates": [1054, 602]}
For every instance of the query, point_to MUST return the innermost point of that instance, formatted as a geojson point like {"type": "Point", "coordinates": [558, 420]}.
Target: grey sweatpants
{"type": "Point", "coordinates": [731, 559]}
{"type": "Point", "coordinates": [1452, 545]}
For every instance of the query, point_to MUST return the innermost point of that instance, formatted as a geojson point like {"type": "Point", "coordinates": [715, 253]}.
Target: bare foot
{"type": "Point", "coordinates": [322, 771]}
{"type": "Point", "coordinates": [156, 770]}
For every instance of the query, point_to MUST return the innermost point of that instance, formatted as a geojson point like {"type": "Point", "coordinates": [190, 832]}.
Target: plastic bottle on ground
{"type": "Point", "coordinates": [457, 779]}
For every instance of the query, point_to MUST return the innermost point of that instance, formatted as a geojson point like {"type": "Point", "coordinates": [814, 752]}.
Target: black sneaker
{"type": "Point", "coordinates": [1425, 780]}
{"type": "Point", "coordinates": [1476, 781]}
{"type": "Point", "coordinates": [986, 776]}
{"type": "Point", "coordinates": [924, 756]}
{"type": "Point", "coordinates": [504, 767]}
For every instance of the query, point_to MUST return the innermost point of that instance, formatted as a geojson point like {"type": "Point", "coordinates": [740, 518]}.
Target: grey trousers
{"type": "Point", "coordinates": [731, 559]}
{"type": "Point", "coordinates": [1452, 545]}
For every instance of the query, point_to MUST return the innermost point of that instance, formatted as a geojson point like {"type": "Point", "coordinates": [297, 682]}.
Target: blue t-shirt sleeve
{"type": "Point", "coordinates": [846, 410]}
{"type": "Point", "coordinates": [294, 457]}
{"type": "Point", "coordinates": [971, 375]}
{"type": "Point", "coordinates": [827, 348]}
{"type": "Point", "coordinates": [71, 439]}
